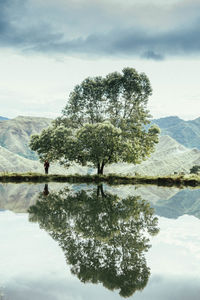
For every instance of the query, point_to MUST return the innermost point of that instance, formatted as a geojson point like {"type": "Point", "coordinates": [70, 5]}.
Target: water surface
{"type": "Point", "coordinates": [73, 242]}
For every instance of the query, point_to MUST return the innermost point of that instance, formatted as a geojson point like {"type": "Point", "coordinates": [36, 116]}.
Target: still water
{"type": "Point", "coordinates": [74, 242]}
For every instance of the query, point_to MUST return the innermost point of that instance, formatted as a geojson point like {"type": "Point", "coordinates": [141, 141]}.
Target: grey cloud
{"type": "Point", "coordinates": [152, 55]}
{"type": "Point", "coordinates": [62, 32]}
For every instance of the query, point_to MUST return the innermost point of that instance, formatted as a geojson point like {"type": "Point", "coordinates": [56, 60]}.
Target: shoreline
{"type": "Point", "coordinates": [112, 179]}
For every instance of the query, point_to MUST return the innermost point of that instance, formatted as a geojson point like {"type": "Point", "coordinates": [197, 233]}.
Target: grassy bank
{"type": "Point", "coordinates": [173, 180]}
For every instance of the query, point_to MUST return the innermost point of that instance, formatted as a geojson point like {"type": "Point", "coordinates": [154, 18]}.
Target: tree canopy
{"type": "Point", "coordinates": [103, 237]}
{"type": "Point", "coordinates": [105, 121]}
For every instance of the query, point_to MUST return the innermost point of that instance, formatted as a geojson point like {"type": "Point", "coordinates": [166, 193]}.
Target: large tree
{"type": "Point", "coordinates": [105, 121]}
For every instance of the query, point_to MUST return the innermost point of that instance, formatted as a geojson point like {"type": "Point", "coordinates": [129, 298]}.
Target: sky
{"type": "Point", "coordinates": [47, 47]}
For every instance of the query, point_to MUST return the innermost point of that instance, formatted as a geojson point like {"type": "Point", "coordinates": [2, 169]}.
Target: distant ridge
{"type": "Point", "coordinates": [185, 132]}
{"type": "Point", "coordinates": [3, 118]}
{"type": "Point", "coordinates": [169, 157]}
{"type": "Point", "coordinates": [15, 134]}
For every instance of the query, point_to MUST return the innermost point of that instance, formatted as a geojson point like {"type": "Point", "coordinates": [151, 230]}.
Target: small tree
{"type": "Point", "coordinates": [103, 122]}
{"type": "Point", "coordinates": [195, 170]}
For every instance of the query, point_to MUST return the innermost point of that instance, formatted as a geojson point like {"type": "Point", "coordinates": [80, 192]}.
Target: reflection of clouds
{"type": "Point", "coordinates": [45, 289]}
{"type": "Point", "coordinates": [176, 249]}
{"type": "Point", "coordinates": [25, 250]}
{"type": "Point", "coordinates": [164, 288]}
{"type": "Point", "coordinates": [33, 267]}
{"type": "Point", "coordinates": [173, 288]}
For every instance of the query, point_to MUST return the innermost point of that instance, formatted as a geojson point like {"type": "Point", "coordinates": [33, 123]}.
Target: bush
{"type": "Point", "coordinates": [195, 170]}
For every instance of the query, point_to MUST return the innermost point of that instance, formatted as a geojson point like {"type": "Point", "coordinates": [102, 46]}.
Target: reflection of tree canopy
{"type": "Point", "coordinates": [103, 237]}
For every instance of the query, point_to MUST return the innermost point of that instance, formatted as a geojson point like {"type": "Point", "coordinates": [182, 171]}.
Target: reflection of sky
{"type": "Point", "coordinates": [32, 266]}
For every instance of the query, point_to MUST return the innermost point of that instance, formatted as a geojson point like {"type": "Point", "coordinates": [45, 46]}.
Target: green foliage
{"type": "Point", "coordinates": [103, 237]}
{"type": "Point", "coordinates": [99, 142]}
{"type": "Point", "coordinates": [195, 170]}
{"type": "Point", "coordinates": [103, 122]}
{"type": "Point", "coordinates": [115, 97]}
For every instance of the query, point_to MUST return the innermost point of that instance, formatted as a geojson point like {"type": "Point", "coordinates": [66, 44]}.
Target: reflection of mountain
{"type": "Point", "coordinates": [184, 202]}
{"type": "Point", "coordinates": [103, 237]}
{"type": "Point", "coordinates": [168, 202]}
{"type": "Point", "coordinates": [18, 197]}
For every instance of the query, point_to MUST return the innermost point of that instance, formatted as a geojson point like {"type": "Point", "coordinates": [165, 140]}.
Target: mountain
{"type": "Point", "coordinates": [3, 118]}
{"type": "Point", "coordinates": [169, 157]}
{"type": "Point", "coordinates": [11, 162]}
{"type": "Point", "coordinates": [184, 202]}
{"type": "Point", "coordinates": [15, 134]}
{"type": "Point", "coordinates": [185, 132]}
{"type": "Point", "coordinates": [16, 156]}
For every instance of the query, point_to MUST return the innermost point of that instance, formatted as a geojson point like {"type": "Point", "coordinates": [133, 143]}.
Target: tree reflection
{"type": "Point", "coordinates": [103, 237]}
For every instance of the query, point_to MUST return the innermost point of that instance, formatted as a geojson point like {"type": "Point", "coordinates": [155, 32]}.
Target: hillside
{"type": "Point", "coordinates": [15, 134]}
{"type": "Point", "coordinates": [15, 155]}
{"type": "Point", "coordinates": [185, 132]}
{"type": "Point", "coordinates": [169, 157]}
{"type": "Point", "coordinates": [10, 162]}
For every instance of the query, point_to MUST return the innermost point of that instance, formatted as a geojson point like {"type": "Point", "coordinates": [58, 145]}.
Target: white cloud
{"type": "Point", "coordinates": [175, 250]}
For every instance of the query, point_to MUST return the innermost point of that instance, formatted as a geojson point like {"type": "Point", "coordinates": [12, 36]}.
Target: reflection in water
{"type": "Point", "coordinates": [46, 190]}
{"type": "Point", "coordinates": [2, 295]}
{"type": "Point", "coordinates": [184, 202]}
{"type": "Point", "coordinates": [103, 237]}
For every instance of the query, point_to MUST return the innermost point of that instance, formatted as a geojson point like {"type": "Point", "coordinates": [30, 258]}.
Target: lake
{"type": "Point", "coordinates": [78, 241]}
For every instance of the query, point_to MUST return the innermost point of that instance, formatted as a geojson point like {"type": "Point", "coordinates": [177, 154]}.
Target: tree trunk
{"type": "Point", "coordinates": [100, 168]}
{"type": "Point", "coordinates": [100, 190]}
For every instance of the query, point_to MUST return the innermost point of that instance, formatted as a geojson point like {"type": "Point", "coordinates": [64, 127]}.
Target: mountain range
{"type": "Point", "coordinates": [15, 134]}
{"type": "Point", "coordinates": [3, 118]}
{"type": "Point", "coordinates": [185, 132]}
{"type": "Point", "coordinates": [170, 155]}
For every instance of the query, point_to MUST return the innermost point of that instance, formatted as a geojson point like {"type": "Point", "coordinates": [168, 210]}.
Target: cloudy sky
{"type": "Point", "coordinates": [47, 47]}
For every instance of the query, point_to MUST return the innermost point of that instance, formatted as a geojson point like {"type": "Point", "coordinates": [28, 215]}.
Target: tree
{"type": "Point", "coordinates": [104, 121]}
{"type": "Point", "coordinates": [195, 170]}
{"type": "Point", "coordinates": [104, 237]}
